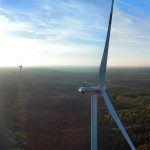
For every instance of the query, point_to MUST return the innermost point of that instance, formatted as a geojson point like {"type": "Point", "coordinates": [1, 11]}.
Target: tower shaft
{"type": "Point", "coordinates": [93, 122]}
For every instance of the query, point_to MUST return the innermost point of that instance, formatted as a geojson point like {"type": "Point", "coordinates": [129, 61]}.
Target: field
{"type": "Point", "coordinates": [44, 111]}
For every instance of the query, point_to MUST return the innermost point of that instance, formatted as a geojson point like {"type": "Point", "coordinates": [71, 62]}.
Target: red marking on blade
{"type": "Point", "coordinates": [110, 19]}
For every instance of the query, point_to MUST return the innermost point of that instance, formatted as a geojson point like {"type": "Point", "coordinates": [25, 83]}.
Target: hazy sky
{"type": "Point", "coordinates": [73, 32]}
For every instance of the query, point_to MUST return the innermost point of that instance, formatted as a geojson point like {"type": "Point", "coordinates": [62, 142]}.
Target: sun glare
{"type": "Point", "coordinates": [14, 49]}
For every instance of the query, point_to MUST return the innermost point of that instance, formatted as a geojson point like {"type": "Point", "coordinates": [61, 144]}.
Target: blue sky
{"type": "Point", "coordinates": [73, 32]}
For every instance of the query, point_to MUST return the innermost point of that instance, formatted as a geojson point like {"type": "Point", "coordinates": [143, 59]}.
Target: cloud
{"type": "Point", "coordinates": [70, 20]}
{"type": "Point", "coordinates": [65, 20]}
{"type": "Point", "coordinates": [67, 30]}
{"type": "Point", "coordinates": [129, 40]}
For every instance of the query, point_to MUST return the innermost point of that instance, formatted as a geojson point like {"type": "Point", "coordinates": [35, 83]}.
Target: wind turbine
{"type": "Point", "coordinates": [94, 90]}
{"type": "Point", "coordinates": [20, 68]}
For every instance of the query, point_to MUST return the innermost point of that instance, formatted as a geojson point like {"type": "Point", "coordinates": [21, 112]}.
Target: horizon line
{"type": "Point", "coordinates": [79, 66]}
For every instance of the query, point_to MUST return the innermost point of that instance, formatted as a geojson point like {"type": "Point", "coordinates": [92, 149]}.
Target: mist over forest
{"type": "Point", "coordinates": [44, 111]}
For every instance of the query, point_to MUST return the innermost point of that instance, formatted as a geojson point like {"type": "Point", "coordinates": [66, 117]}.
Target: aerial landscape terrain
{"type": "Point", "coordinates": [44, 111]}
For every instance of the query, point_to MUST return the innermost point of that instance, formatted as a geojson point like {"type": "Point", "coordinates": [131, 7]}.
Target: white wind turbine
{"type": "Point", "coordinates": [94, 90]}
{"type": "Point", "coordinates": [20, 69]}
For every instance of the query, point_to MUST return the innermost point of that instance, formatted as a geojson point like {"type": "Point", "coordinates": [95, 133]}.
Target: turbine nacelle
{"type": "Point", "coordinates": [88, 90]}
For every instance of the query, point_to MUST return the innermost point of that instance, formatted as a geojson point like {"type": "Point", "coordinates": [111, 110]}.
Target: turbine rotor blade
{"type": "Point", "coordinates": [102, 75]}
{"type": "Point", "coordinates": [116, 118]}
{"type": "Point", "coordinates": [102, 69]}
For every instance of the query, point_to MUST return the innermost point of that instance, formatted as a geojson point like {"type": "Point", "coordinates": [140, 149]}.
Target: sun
{"type": "Point", "coordinates": [15, 49]}
{"type": "Point", "coordinates": [9, 52]}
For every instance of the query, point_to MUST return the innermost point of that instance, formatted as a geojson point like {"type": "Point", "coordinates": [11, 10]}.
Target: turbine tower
{"type": "Point", "coordinates": [94, 90]}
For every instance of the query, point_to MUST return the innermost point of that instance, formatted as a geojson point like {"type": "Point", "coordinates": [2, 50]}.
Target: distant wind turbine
{"type": "Point", "coordinates": [20, 69]}
{"type": "Point", "coordinates": [94, 90]}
